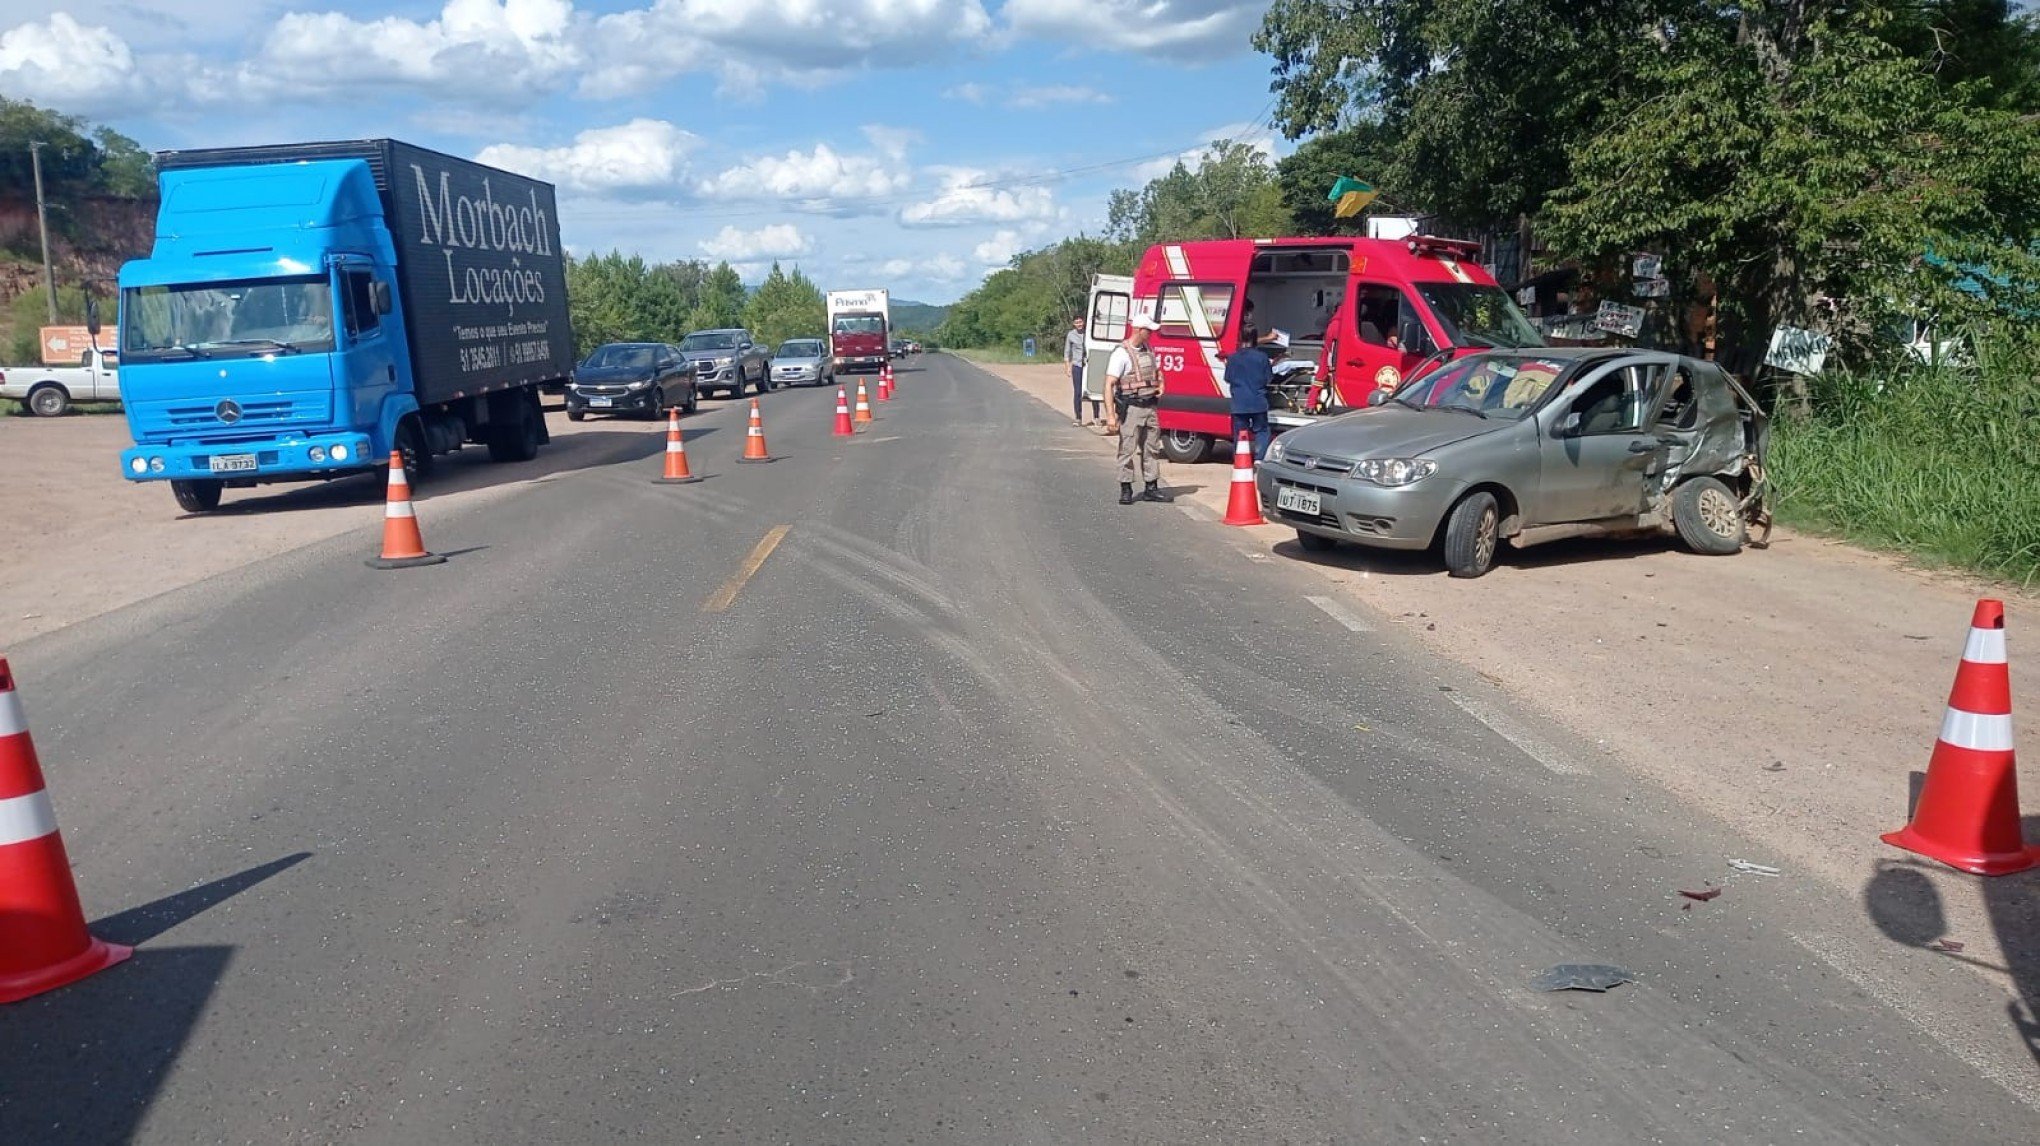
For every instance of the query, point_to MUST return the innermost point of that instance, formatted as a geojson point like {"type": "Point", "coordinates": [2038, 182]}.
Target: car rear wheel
{"type": "Point", "coordinates": [50, 401]}
{"type": "Point", "coordinates": [1184, 447]}
{"type": "Point", "coordinates": [202, 496]}
{"type": "Point", "coordinates": [1473, 535]}
{"type": "Point", "coordinates": [1709, 518]}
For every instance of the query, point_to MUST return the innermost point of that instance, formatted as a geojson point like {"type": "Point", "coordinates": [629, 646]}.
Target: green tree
{"type": "Point", "coordinates": [1306, 174]}
{"type": "Point", "coordinates": [721, 301]}
{"type": "Point", "coordinates": [1230, 194]}
{"type": "Point", "coordinates": [786, 306]}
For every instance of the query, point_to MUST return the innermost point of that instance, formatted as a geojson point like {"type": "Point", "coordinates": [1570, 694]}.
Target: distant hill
{"type": "Point", "coordinates": [917, 316]}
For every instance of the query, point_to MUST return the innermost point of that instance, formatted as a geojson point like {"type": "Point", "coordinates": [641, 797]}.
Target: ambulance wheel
{"type": "Point", "coordinates": [1184, 447]}
{"type": "Point", "coordinates": [202, 496]}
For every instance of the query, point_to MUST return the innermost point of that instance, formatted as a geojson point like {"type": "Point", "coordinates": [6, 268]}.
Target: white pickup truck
{"type": "Point", "coordinates": [49, 390]}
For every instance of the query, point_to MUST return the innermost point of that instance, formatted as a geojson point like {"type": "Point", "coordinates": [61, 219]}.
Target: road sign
{"type": "Point", "coordinates": [1027, 347]}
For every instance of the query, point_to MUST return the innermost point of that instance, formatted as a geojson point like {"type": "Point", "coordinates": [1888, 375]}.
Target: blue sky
{"type": "Point", "coordinates": [914, 144]}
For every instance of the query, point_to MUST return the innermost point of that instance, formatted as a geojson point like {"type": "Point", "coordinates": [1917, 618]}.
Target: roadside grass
{"type": "Point", "coordinates": [1940, 464]}
{"type": "Point", "coordinates": [999, 356]}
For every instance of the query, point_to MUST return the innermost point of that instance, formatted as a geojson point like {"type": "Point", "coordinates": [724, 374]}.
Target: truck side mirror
{"type": "Point", "coordinates": [92, 316]}
{"type": "Point", "coordinates": [1378, 398]}
{"type": "Point", "coordinates": [379, 296]}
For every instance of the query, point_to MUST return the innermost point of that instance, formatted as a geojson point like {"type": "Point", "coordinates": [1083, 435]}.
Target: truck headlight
{"type": "Point", "coordinates": [139, 465]}
{"type": "Point", "coordinates": [317, 454]}
{"type": "Point", "coordinates": [155, 465]}
{"type": "Point", "coordinates": [1394, 471]}
{"type": "Point", "coordinates": [339, 453]}
{"type": "Point", "coordinates": [722, 362]}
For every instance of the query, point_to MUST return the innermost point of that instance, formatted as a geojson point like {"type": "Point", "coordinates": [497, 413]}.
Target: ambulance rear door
{"type": "Point", "coordinates": [1109, 309]}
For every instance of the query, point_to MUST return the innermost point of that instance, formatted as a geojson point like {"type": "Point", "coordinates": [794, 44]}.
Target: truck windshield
{"type": "Point", "coordinates": [709, 342]}
{"type": "Point", "coordinates": [1479, 316]}
{"type": "Point", "coordinates": [860, 324]}
{"type": "Point", "coordinates": [228, 319]}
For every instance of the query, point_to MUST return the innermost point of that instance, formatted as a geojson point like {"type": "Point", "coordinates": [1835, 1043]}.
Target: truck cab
{"type": "Point", "coordinates": [1366, 313]}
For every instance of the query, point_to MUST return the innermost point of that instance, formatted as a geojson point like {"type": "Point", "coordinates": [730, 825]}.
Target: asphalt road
{"type": "Point", "coordinates": [981, 810]}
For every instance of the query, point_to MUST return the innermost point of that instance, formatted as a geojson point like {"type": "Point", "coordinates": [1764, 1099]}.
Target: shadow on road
{"type": "Point", "coordinates": [84, 1063]}
{"type": "Point", "coordinates": [1426, 563]}
{"type": "Point", "coordinates": [468, 470]}
{"type": "Point", "coordinates": [1905, 906]}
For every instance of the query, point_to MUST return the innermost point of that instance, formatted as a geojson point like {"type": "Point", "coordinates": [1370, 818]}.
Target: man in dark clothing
{"type": "Point", "coordinates": [1247, 374]}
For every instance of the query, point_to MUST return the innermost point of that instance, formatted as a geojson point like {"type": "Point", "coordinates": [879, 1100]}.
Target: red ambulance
{"type": "Point", "coordinates": [1370, 313]}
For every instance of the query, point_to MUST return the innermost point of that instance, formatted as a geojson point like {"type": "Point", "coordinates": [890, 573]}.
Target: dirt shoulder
{"type": "Point", "coordinates": [81, 541]}
{"type": "Point", "coordinates": [1790, 691]}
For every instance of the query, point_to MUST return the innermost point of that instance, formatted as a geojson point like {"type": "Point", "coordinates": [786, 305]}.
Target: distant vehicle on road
{"type": "Point", "coordinates": [901, 348]}
{"type": "Point", "coordinates": [644, 378]}
{"type": "Point", "coordinates": [802, 362]}
{"type": "Point", "coordinates": [48, 391]}
{"type": "Point", "coordinates": [728, 360]}
{"type": "Point", "coordinates": [1476, 452]}
{"type": "Point", "coordinates": [310, 309]}
{"type": "Point", "coordinates": [860, 327]}
{"type": "Point", "coordinates": [913, 347]}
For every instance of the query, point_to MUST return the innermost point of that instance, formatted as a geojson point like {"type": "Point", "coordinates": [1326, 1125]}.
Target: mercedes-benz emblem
{"type": "Point", "coordinates": [228, 411]}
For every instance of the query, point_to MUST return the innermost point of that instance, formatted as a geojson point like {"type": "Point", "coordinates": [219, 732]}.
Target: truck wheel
{"type": "Point", "coordinates": [1709, 517]}
{"type": "Point", "coordinates": [202, 496]}
{"type": "Point", "coordinates": [517, 439]}
{"type": "Point", "coordinates": [1473, 535]}
{"type": "Point", "coordinates": [417, 456]}
{"type": "Point", "coordinates": [1184, 447]}
{"type": "Point", "coordinates": [49, 401]}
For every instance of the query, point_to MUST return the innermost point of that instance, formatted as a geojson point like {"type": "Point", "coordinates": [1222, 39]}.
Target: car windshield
{"type": "Point", "coordinates": [804, 348]}
{"type": "Point", "coordinates": [619, 357]}
{"type": "Point", "coordinates": [1479, 316]}
{"type": "Point", "coordinates": [716, 340]}
{"type": "Point", "coordinates": [1492, 385]}
{"type": "Point", "coordinates": [219, 320]}
{"type": "Point", "coordinates": [859, 324]}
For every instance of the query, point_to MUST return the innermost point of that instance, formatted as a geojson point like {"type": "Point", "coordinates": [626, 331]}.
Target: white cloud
{"type": "Point", "coordinates": [965, 197]}
{"type": "Point", "coordinates": [818, 180]}
{"type": "Point", "coordinates": [1171, 29]}
{"type": "Point", "coordinates": [793, 39]}
{"type": "Point", "coordinates": [776, 241]}
{"type": "Point", "coordinates": [476, 51]}
{"type": "Point", "coordinates": [998, 250]}
{"type": "Point", "coordinates": [63, 63]}
{"type": "Point", "coordinates": [1050, 94]}
{"type": "Point", "coordinates": [943, 267]}
{"type": "Point", "coordinates": [642, 155]}
{"type": "Point", "coordinates": [892, 142]}
{"type": "Point", "coordinates": [968, 93]}
{"type": "Point", "coordinates": [1259, 137]}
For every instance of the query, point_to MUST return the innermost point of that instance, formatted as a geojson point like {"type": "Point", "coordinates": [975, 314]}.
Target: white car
{"type": "Point", "coordinates": [48, 391]}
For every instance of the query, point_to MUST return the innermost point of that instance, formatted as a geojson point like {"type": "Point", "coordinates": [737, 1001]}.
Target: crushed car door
{"type": "Point", "coordinates": [1599, 457]}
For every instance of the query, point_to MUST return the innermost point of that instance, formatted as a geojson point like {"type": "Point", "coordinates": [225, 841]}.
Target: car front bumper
{"type": "Point", "coordinates": [1402, 517]}
{"type": "Point", "coordinates": [801, 374]}
{"type": "Point", "coordinates": [628, 402]}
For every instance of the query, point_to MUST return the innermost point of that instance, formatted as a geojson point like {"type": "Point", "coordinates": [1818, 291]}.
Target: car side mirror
{"type": "Point", "coordinates": [1378, 398]}
{"type": "Point", "coordinates": [379, 297]}
{"type": "Point", "coordinates": [1570, 426]}
{"type": "Point", "coordinates": [92, 316]}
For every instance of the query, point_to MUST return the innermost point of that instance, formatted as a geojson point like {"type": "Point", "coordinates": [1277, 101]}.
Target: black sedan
{"type": "Point", "coordinates": [641, 378]}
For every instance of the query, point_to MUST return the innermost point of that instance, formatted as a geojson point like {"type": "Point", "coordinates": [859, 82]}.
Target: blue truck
{"type": "Point", "coordinates": [309, 308]}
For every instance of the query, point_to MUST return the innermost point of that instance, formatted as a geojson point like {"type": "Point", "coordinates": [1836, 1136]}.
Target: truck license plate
{"type": "Point", "coordinates": [231, 463]}
{"type": "Point", "coordinates": [1297, 500]}
{"type": "Point", "coordinates": [601, 403]}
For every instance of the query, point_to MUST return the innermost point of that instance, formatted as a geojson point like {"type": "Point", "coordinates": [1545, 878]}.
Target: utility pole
{"type": "Point", "coordinates": [42, 222]}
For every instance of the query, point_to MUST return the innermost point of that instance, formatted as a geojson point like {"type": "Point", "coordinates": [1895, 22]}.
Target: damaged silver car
{"type": "Point", "coordinates": [1488, 448]}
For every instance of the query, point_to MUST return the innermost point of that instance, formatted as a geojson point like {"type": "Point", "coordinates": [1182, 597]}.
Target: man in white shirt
{"type": "Point", "coordinates": [1073, 357]}
{"type": "Point", "coordinates": [1133, 383]}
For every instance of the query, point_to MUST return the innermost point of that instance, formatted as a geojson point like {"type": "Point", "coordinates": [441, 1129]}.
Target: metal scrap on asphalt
{"type": "Point", "coordinates": [1582, 977]}
{"type": "Point", "coordinates": [1748, 868]}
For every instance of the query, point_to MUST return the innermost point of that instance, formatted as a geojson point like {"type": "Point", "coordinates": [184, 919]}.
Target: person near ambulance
{"type": "Point", "coordinates": [1248, 374]}
{"type": "Point", "coordinates": [1073, 357]}
{"type": "Point", "coordinates": [1133, 383]}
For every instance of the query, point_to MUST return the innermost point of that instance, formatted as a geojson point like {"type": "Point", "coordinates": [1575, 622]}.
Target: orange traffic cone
{"type": "Point", "coordinates": [754, 439]}
{"type": "Point", "coordinates": [402, 545]}
{"type": "Point", "coordinates": [885, 383]}
{"type": "Point", "coordinates": [863, 405]}
{"type": "Point", "coordinates": [1968, 812]}
{"type": "Point", "coordinates": [892, 385]}
{"type": "Point", "coordinates": [677, 472]}
{"type": "Point", "coordinates": [1244, 505]}
{"type": "Point", "coordinates": [843, 427]}
{"type": "Point", "coordinates": [43, 941]}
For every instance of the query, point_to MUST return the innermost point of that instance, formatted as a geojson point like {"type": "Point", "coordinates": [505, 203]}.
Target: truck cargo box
{"type": "Point", "coordinates": [480, 267]}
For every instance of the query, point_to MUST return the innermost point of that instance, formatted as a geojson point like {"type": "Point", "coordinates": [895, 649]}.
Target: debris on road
{"type": "Point", "coordinates": [1582, 977]}
{"type": "Point", "coordinates": [1702, 896]}
{"type": "Point", "coordinates": [1748, 868]}
{"type": "Point", "coordinates": [1949, 946]}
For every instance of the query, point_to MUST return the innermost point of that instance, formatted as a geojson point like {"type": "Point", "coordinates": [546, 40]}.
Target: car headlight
{"type": "Point", "coordinates": [1394, 471]}
{"type": "Point", "coordinates": [637, 385]}
{"type": "Point", "coordinates": [1277, 450]}
{"type": "Point", "coordinates": [721, 362]}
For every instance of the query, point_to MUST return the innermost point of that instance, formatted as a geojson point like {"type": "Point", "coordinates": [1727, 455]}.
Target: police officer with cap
{"type": "Point", "coordinates": [1134, 384]}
